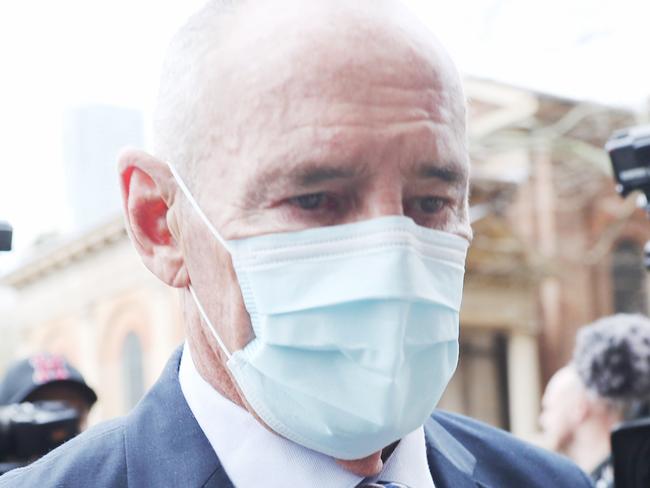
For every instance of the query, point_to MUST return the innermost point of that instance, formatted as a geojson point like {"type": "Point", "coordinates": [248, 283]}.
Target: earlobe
{"type": "Point", "coordinates": [147, 196]}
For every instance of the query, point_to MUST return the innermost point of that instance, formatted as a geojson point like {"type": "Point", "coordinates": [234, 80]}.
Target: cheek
{"type": "Point", "coordinates": [241, 332]}
{"type": "Point", "coordinates": [214, 279]}
{"type": "Point", "coordinates": [552, 420]}
{"type": "Point", "coordinates": [554, 424]}
{"type": "Point", "coordinates": [458, 223]}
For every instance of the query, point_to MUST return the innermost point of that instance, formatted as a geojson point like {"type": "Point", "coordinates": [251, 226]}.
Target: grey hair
{"type": "Point", "coordinates": [612, 358]}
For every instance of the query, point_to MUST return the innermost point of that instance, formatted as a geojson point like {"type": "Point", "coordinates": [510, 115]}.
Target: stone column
{"type": "Point", "coordinates": [523, 383]}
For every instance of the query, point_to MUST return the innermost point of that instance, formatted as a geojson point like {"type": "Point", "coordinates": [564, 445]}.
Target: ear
{"type": "Point", "coordinates": [148, 191]}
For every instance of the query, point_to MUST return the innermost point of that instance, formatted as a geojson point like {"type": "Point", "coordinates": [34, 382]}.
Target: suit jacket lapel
{"type": "Point", "coordinates": [451, 464]}
{"type": "Point", "coordinates": [164, 444]}
{"type": "Point", "coordinates": [166, 447]}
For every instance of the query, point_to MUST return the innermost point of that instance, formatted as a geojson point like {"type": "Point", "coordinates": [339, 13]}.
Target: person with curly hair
{"type": "Point", "coordinates": [606, 383]}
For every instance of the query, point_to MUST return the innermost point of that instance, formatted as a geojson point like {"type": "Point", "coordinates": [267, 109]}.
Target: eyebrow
{"type": "Point", "coordinates": [448, 173]}
{"type": "Point", "coordinates": [316, 174]}
{"type": "Point", "coordinates": [313, 174]}
{"type": "Point", "coordinates": [305, 177]}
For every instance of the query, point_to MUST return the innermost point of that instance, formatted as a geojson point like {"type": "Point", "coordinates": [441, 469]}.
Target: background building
{"type": "Point", "coordinates": [555, 248]}
{"type": "Point", "coordinates": [92, 138]}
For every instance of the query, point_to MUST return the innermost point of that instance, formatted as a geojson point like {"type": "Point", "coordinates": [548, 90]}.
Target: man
{"type": "Point", "coordinates": [607, 382]}
{"type": "Point", "coordinates": [48, 377]}
{"type": "Point", "coordinates": [308, 198]}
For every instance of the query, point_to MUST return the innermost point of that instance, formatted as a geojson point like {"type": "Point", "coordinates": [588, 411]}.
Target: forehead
{"type": "Point", "coordinates": [333, 82]}
{"type": "Point", "coordinates": [321, 49]}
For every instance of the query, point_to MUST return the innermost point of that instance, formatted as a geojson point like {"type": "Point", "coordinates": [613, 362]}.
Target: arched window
{"type": "Point", "coordinates": [132, 373]}
{"type": "Point", "coordinates": [629, 278]}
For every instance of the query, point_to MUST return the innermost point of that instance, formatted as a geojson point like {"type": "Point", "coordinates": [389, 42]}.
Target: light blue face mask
{"type": "Point", "coordinates": [356, 329]}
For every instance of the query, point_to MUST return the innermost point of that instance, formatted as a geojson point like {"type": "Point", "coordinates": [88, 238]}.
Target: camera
{"type": "Point", "coordinates": [5, 236]}
{"type": "Point", "coordinates": [629, 151]}
{"type": "Point", "coordinates": [30, 430]}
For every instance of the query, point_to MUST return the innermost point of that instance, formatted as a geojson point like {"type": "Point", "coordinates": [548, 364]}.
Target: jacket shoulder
{"type": "Point", "coordinates": [93, 458]}
{"type": "Point", "coordinates": [504, 460]}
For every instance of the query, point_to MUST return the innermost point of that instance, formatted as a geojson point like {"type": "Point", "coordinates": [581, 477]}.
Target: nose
{"type": "Point", "coordinates": [383, 199]}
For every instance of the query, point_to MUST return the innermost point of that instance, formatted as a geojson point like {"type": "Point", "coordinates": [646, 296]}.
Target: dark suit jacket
{"type": "Point", "coordinates": [159, 444]}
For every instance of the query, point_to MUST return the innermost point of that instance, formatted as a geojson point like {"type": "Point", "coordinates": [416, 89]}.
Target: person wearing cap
{"type": "Point", "coordinates": [606, 382]}
{"type": "Point", "coordinates": [48, 377]}
{"type": "Point", "coordinates": [308, 198]}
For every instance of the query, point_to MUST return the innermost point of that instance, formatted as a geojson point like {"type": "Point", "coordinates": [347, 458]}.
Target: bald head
{"type": "Point", "coordinates": [236, 67]}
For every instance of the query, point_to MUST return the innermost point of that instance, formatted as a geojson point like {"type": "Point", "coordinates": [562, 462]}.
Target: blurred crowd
{"type": "Point", "coordinates": [607, 382]}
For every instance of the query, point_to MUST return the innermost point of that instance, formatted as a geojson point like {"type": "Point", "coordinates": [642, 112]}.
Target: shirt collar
{"type": "Point", "coordinates": [240, 441]}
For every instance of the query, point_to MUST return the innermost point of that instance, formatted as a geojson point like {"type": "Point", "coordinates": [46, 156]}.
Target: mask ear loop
{"type": "Point", "coordinates": [215, 233]}
{"type": "Point", "coordinates": [190, 198]}
{"type": "Point", "coordinates": [209, 322]}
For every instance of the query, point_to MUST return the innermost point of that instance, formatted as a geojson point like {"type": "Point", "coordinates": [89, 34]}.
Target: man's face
{"type": "Point", "coordinates": [561, 409]}
{"type": "Point", "coordinates": [298, 114]}
{"type": "Point", "coordinates": [328, 123]}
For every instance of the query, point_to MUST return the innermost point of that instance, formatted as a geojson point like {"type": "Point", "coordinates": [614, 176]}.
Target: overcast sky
{"type": "Point", "coordinates": [67, 53]}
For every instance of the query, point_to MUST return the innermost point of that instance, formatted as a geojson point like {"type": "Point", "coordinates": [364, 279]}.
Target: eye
{"type": "Point", "coordinates": [313, 201]}
{"type": "Point", "coordinates": [429, 205]}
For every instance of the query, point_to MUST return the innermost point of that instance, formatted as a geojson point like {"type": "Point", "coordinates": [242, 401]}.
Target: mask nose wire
{"type": "Point", "coordinates": [215, 233]}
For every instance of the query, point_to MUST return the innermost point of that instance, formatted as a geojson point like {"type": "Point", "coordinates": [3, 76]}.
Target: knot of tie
{"type": "Point", "coordinates": [382, 484]}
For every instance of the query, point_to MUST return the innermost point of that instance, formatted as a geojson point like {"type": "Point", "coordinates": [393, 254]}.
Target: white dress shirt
{"type": "Point", "coordinates": [252, 456]}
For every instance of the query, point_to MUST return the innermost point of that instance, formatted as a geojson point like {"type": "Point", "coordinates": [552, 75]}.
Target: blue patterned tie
{"type": "Point", "coordinates": [382, 484]}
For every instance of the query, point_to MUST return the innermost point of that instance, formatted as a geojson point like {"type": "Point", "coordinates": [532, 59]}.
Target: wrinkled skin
{"type": "Point", "coordinates": [320, 113]}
